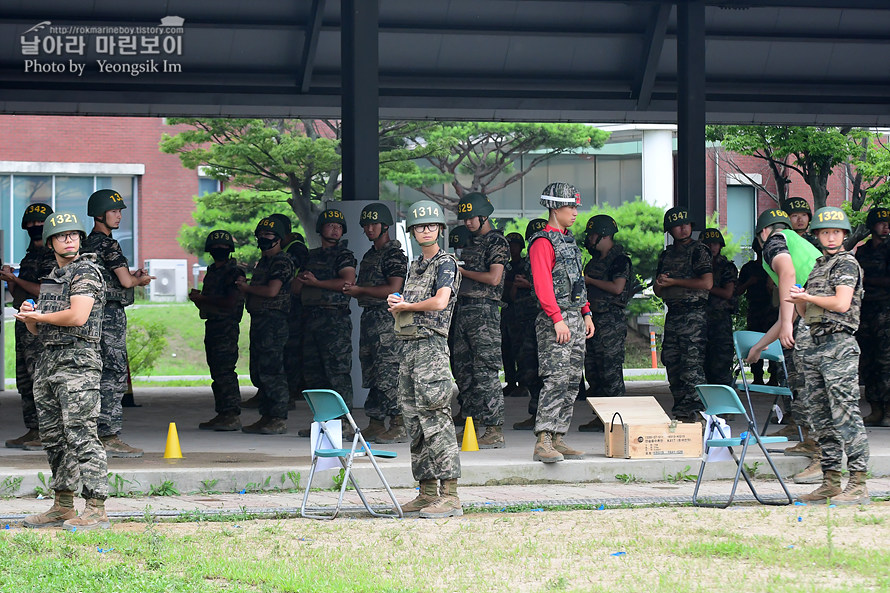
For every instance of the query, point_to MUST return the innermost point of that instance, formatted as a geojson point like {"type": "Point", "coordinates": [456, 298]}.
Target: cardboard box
{"type": "Point", "coordinates": [641, 429]}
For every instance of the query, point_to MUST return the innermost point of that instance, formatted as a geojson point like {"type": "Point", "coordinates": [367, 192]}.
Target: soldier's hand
{"type": "Point", "coordinates": [521, 281]}
{"type": "Point", "coordinates": [786, 336]}
{"type": "Point", "coordinates": [664, 280]}
{"type": "Point", "coordinates": [563, 335]}
{"type": "Point", "coordinates": [307, 278]}
{"type": "Point", "coordinates": [588, 326]}
{"type": "Point", "coordinates": [352, 289]}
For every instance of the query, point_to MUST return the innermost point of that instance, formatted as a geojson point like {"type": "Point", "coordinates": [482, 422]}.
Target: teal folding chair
{"type": "Point", "coordinates": [721, 399]}
{"type": "Point", "coordinates": [743, 341]}
{"type": "Point", "coordinates": [327, 405]}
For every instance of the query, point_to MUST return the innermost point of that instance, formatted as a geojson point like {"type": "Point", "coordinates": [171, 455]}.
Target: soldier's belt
{"type": "Point", "coordinates": [307, 309]}
{"type": "Point", "coordinates": [74, 344]}
{"type": "Point", "coordinates": [830, 337]}
{"type": "Point", "coordinates": [467, 300]}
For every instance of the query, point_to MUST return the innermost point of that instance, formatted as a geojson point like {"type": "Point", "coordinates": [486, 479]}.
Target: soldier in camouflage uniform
{"type": "Point", "coordinates": [527, 308]}
{"type": "Point", "coordinates": [381, 273]}
{"type": "Point", "coordinates": [562, 323]}
{"type": "Point", "coordinates": [830, 304]}
{"type": "Point", "coordinates": [477, 321]}
{"type": "Point", "coordinates": [221, 304]}
{"type": "Point", "coordinates": [268, 302]}
{"type": "Point", "coordinates": [682, 279]}
{"type": "Point", "coordinates": [609, 278]}
{"type": "Point", "coordinates": [511, 331]}
{"type": "Point", "coordinates": [800, 214]}
{"type": "Point", "coordinates": [755, 285]}
{"type": "Point", "coordinates": [37, 263]}
{"type": "Point", "coordinates": [327, 326]}
{"type": "Point", "coordinates": [294, 245]}
{"type": "Point", "coordinates": [722, 303]}
{"type": "Point", "coordinates": [105, 206]}
{"type": "Point", "coordinates": [68, 321]}
{"type": "Point", "coordinates": [874, 328]}
{"type": "Point", "coordinates": [422, 316]}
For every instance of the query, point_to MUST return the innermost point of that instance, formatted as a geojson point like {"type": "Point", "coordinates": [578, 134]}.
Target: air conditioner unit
{"type": "Point", "coordinates": [171, 280]}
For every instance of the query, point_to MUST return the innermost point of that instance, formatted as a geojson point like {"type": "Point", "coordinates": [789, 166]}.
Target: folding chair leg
{"type": "Point", "coordinates": [303, 511]}
{"type": "Point", "coordinates": [772, 465]}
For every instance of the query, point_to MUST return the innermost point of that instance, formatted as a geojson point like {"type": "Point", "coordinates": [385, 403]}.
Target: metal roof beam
{"type": "Point", "coordinates": [310, 44]}
{"type": "Point", "coordinates": [655, 35]}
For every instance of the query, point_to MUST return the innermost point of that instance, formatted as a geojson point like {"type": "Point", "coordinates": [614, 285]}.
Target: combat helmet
{"type": "Point", "coordinates": [36, 212]}
{"type": "Point", "coordinates": [770, 217]}
{"type": "Point", "coordinates": [676, 216]}
{"type": "Point", "coordinates": [425, 212]}
{"type": "Point", "coordinates": [474, 204]}
{"type": "Point", "coordinates": [285, 221]}
{"type": "Point", "coordinates": [559, 194]}
{"type": "Point", "coordinates": [330, 215]}
{"type": "Point", "coordinates": [459, 237]}
{"type": "Point", "coordinates": [830, 218]}
{"type": "Point", "coordinates": [602, 225]}
{"type": "Point", "coordinates": [374, 213]}
{"type": "Point", "coordinates": [797, 205]}
{"type": "Point", "coordinates": [535, 225]}
{"type": "Point", "coordinates": [876, 215]}
{"type": "Point", "coordinates": [62, 222]}
{"type": "Point", "coordinates": [712, 236]}
{"type": "Point", "coordinates": [271, 225]}
{"type": "Point", "coordinates": [103, 200]}
{"type": "Point", "coordinates": [515, 238]}
{"type": "Point", "coordinates": [220, 237]}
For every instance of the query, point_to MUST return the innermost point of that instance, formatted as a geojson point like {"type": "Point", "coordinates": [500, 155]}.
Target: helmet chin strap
{"type": "Point", "coordinates": [482, 220]}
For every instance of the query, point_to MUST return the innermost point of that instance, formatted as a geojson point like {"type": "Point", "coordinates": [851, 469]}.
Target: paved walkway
{"type": "Point", "coordinates": [235, 462]}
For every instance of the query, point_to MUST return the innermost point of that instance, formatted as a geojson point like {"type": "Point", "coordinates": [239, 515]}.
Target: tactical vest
{"type": "Point", "coordinates": [98, 243]}
{"type": "Point", "coordinates": [568, 278]}
{"type": "Point", "coordinates": [419, 286]}
{"type": "Point", "coordinates": [874, 262]}
{"type": "Point", "coordinates": [323, 264]}
{"type": "Point", "coordinates": [600, 269]}
{"type": "Point", "coordinates": [474, 258]}
{"type": "Point", "coordinates": [525, 297]}
{"type": "Point", "coordinates": [716, 303]}
{"type": "Point", "coordinates": [822, 321]}
{"type": "Point", "coordinates": [37, 263]}
{"type": "Point", "coordinates": [260, 277]}
{"type": "Point", "coordinates": [219, 283]}
{"type": "Point", "coordinates": [803, 256]}
{"type": "Point", "coordinates": [677, 261]}
{"type": "Point", "coordinates": [55, 295]}
{"type": "Point", "coordinates": [370, 272]}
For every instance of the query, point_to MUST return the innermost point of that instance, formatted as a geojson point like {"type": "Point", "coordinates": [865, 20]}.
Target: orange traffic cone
{"type": "Point", "coordinates": [469, 443]}
{"type": "Point", "coordinates": [172, 451]}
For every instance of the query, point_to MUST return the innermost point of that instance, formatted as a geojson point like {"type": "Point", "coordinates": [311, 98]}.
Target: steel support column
{"type": "Point", "coordinates": [691, 108]}
{"type": "Point", "coordinates": [359, 103]}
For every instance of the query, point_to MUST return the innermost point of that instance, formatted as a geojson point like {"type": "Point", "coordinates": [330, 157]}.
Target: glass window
{"type": "Point", "coordinates": [26, 190]}
{"type": "Point", "coordinates": [533, 184]}
{"type": "Point", "coordinates": [123, 184]}
{"type": "Point", "coordinates": [206, 185]}
{"type": "Point", "coordinates": [631, 179]}
{"type": "Point", "coordinates": [72, 194]}
{"type": "Point", "coordinates": [6, 218]}
{"type": "Point", "coordinates": [608, 181]}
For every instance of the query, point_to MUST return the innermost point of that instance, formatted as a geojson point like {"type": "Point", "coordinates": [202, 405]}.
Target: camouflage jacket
{"type": "Point", "coordinates": [298, 252]}
{"type": "Point", "coordinates": [277, 267]}
{"type": "Point", "coordinates": [615, 264]}
{"type": "Point", "coordinates": [326, 264]}
{"type": "Point", "coordinates": [378, 266]}
{"type": "Point", "coordinates": [37, 263]}
{"type": "Point", "coordinates": [219, 283]}
{"type": "Point", "coordinates": [421, 285]}
{"type": "Point", "coordinates": [82, 277]}
{"type": "Point", "coordinates": [567, 272]}
{"type": "Point", "coordinates": [110, 257]}
{"type": "Point", "coordinates": [524, 299]}
{"type": "Point", "coordinates": [875, 263]}
{"type": "Point", "coordinates": [830, 272]}
{"type": "Point", "coordinates": [690, 260]}
{"type": "Point", "coordinates": [725, 273]}
{"type": "Point", "coordinates": [479, 255]}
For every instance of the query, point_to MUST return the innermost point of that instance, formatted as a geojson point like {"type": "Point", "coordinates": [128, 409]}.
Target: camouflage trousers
{"type": "Point", "coordinates": [683, 354]}
{"type": "Point", "coordinates": [604, 359]}
{"type": "Point", "coordinates": [560, 367]}
{"type": "Point", "coordinates": [720, 352]}
{"type": "Point", "coordinates": [293, 350]}
{"type": "Point", "coordinates": [477, 360]}
{"type": "Point", "coordinates": [527, 362]}
{"type": "Point", "coordinates": [425, 399]}
{"type": "Point", "coordinates": [221, 347]}
{"type": "Point", "coordinates": [511, 340]}
{"type": "Point", "coordinates": [830, 369]}
{"type": "Point", "coordinates": [66, 391]}
{"type": "Point", "coordinates": [27, 350]}
{"type": "Point", "coordinates": [379, 352]}
{"type": "Point", "coordinates": [874, 341]}
{"type": "Point", "coordinates": [327, 350]}
{"type": "Point", "coordinates": [801, 404]}
{"type": "Point", "coordinates": [114, 369]}
{"type": "Point", "coordinates": [268, 334]}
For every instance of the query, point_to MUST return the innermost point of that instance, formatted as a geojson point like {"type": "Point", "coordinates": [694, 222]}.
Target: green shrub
{"type": "Point", "coordinates": [145, 343]}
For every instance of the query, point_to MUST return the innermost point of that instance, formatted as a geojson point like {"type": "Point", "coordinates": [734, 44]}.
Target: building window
{"type": "Point", "coordinates": [62, 192]}
{"type": "Point", "coordinates": [206, 185]}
